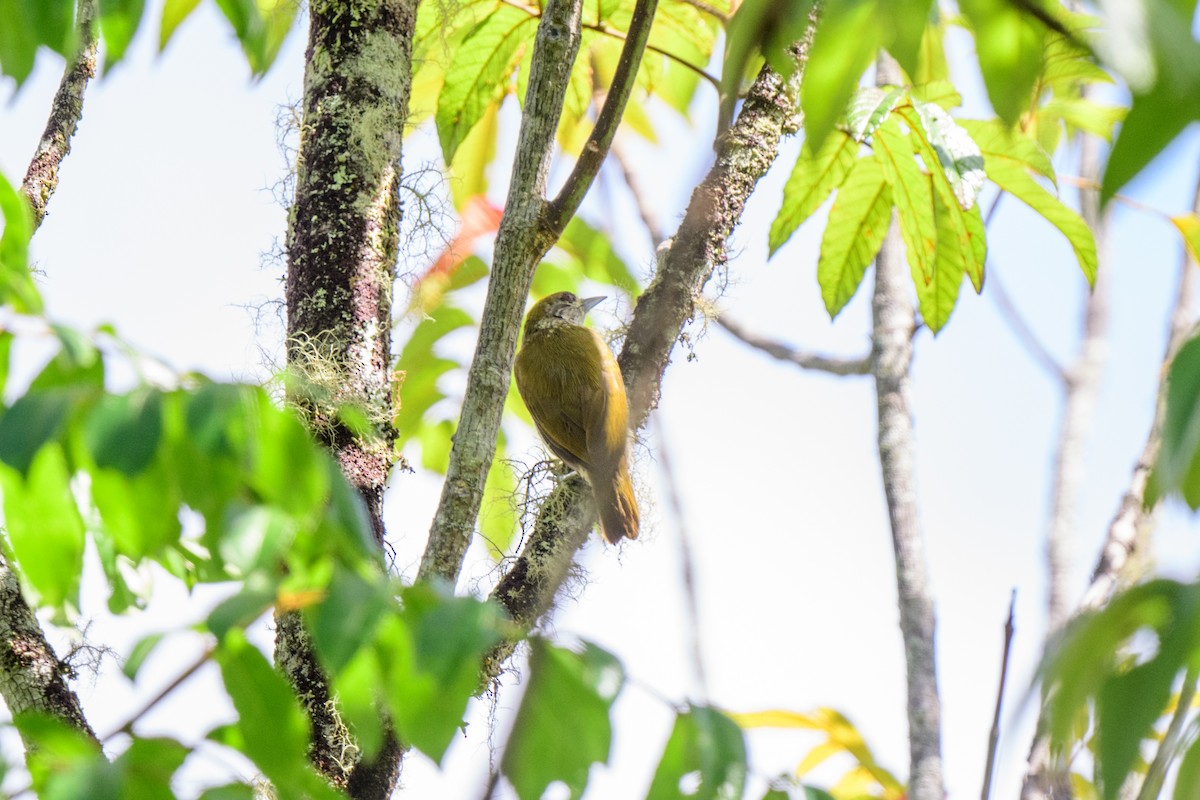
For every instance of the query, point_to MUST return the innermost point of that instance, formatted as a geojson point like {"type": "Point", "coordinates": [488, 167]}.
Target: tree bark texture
{"type": "Point", "coordinates": [32, 679]}
{"type": "Point", "coordinates": [342, 249]}
{"type": "Point", "coordinates": [66, 110]}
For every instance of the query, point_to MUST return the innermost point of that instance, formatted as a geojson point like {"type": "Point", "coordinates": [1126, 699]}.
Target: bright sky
{"type": "Point", "coordinates": [161, 224]}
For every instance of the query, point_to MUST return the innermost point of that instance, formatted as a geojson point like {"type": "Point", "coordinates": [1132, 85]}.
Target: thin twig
{"type": "Point", "coordinates": [687, 559]}
{"type": "Point", "coordinates": [801, 358]}
{"type": "Point", "coordinates": [644, 208]}
{"type": "Point", "coordinates": [994, 734]}
{"type": "Point", "coordinates": [707, 9]}
{"type": "Point", "coordinates": [127, 725]}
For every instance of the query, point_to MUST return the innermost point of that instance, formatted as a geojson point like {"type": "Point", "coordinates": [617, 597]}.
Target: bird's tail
{"type": "Point", "coordinates": [617, 506]}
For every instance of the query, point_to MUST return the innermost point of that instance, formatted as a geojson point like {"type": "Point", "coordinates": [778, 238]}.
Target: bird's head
{"type": "Point", "coordinates": [562, 308]}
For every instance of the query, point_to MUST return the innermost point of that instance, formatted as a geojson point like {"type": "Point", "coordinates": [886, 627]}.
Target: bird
{"type": "Point", "coordinates": [570, 382]}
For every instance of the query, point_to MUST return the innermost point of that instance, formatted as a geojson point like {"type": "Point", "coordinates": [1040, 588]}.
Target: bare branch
{"type": "Point", "coordinates": [41, 179]}
{"type": "Point", "coordinates": [31, 676]}
{"type": "Point", "coordinates": [148, 706]}
{"type": "Point", "coordinates": [633, 183]}
{"type": "Point", "coordinates": [801, 358]}
{"type": "Point", "coordinates": [1024, 334]}
{"type": "Point", "coordinates": [893, 318]}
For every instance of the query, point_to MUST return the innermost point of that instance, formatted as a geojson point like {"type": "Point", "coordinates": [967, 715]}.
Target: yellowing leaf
{"type": "Point", "coordinates": [1189, 228]}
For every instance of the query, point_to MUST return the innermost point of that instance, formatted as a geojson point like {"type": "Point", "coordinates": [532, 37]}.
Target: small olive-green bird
{"type": "Point", "coordinates": [572, 387]}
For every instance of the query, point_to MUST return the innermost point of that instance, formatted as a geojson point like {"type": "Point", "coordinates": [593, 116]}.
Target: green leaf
{"type": "Point", "coordinates": [593, 250]}
{"type": "Point", "coordinates": [813, 179]}
{"type": "Point", "coordinates": [938, 295]}
{"type": "Point", "coordinates": [846, 41]}
{"type": "Point", "coordinates": [548, 745]}
{"type": "Point", "coordinates": [1187, 779]}
{"type": "Point", "coordinates": [939, 92]}
{"type": "Point", "coordinates": [16, 283]}
{"type": "Point", "coordinates": [123, 431]}
{"type": "Point", "coordinates": [254, 538]}
{"type": "Point", "coordinates": [1155, 118]}
{"type": "Point", "coordinates": [480, 72]}
{"type": "Point", "coordinates": [433, 654]}
{"type": "Point", "coordinates": [857, 224]}
{"type": "Point", "coordinates": [44, 526]}
{"type": "Point", "coordinates": [359, 689]}
{"type": "Point", "coordinates": [906, 20]}
{"type": "Point", "coordinates": [174, 13]}
{"type": "Point", "coordinates": [140, 513]}
{"type": "Point", "coordinates": [77, 364]}
{"type": "Point", "coordinates": [60, 751]}
{"type": "Point", "coordinates": [230, 791]}
{"type": "Point", "coordinates": [422, 368]}
{"type": "Point", "coordinates": [912, 193]}
{"type": "Point", "coordinates": [1008, 160]}
{"type": "Point", "coordinates": [707, 743]}
{"type": "Point", "coordinates": [140, 652]}
{"type": "Point", "coordinates": [474, 154]}
{"type": "Point", "coordinates": [26, 24]}
{"type": "Point", "coordinates": [33, 420]}
{"type": "Point", "coordinates": [147, 767]}
{"type": "Point", "coordinates": [1010, 46]}
{"type": "Point", "coordinates": [119, 20]}
{"type": "Point", "coordinates": [498, 514]}
{"type": "Point", "coordinates": [1177, 470]}
{"type": "Point", "coordinates": [238, 611]}
{"type": "Point", "coordinates": [346, 619]}
{"type": "Point", "coordinates": [289, 469]}
{"type": "Point", "coordinates": [274, 731]}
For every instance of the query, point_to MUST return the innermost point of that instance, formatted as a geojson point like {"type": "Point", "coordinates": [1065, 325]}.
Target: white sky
{"type": "Point", "coordinates": [160, 226]}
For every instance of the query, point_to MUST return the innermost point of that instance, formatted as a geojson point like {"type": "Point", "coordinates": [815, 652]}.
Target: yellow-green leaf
{"type": "Point", "coordinates": [1189, 228]}
{"type": "Point", "coordinates": [912, 192]}
{"type": "Point", "coordinates": [857, 224]}
{"type": "Point", "coordinates": [813, 179]}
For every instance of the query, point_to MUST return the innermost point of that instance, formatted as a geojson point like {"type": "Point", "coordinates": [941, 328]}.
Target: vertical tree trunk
{"type": "Point", "coordinates": [342, 247]}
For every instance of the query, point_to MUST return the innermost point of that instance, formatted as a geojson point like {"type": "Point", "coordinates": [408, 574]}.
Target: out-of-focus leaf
{"type": "Point", "coordinates": [597, 258]}
{"type": "Point", "coordinates": [345, 620]}
{"type": "Point", "coordinates": [846, 40]}
{"type": "Point", "coordinates": [479, 74]}
{"type": "Point", "coordinates": [857, 224]}
{"type": "Point", "coordinates": [1187, 779]}
{"type": "Point", "coordinates": [1010, 46]}
{"type": "Point", "coordinates": [123, 431]}
{"type": "Point", "coordinates": [1188, 226]}
{"type": "Point", "coordinates": [174, 13]}
{"type": "Point", "coordinates": [433, 653]}
{"type": "Point", "coordinates": [498, 516]}
{"type": "Point", "coordinates": [16, 282]}
{"type": "Point", "coordinates": [706, 743]}
{"type": "Point", "coordinates": [140, 652]}
{"type": "Point", "coordinates": [813, 179]}
{"type": "Point", "coordinates": [547, 745]}
{"type": "Point", "coordinates": [905, 20]}
{"type": "Point", "coordinates": [140, 513]}
{"type": "Point", "coordinates": [26, 24]}
{"type": "Point", "coordinates": [35, 419]}
{"type": "Point", "coordinates": [45, 529]}
{"type": "Point", "coordinates": [119, 20]}
{"type": "Point", "coordinates": [759, 26]}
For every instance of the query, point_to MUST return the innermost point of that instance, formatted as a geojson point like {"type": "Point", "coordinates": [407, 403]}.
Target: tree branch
{"type": "Point", "coordinates": [32, 679]}
{"type": "Point", "coordinates": [595, 150]}
{"type": "Point", "coordinates": [685, 263]}
{"type": "Point", "coordinates": [994, 734]}
{"type": "Point", "coordinates": [529, 228]}
{"type": "Point", "coordinates": [41, 179]}
{"type": "Point", "coordinates": [801, 358]}
{"type": "Point", "coordinates": [893, 318]}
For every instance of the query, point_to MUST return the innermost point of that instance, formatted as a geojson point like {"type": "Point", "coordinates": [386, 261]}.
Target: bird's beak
{"type": "Point", "coordinates": [589, 303]}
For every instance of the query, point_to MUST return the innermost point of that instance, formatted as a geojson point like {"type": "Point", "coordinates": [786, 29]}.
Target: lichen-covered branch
{"type": "Point", "coordinates": [685, 263]}
{"type": "Point", "coordinates": [41, 179]}
{"type": "Point", "coordinates": [530, 226]}
{"type": "Point", "coordinates": [800, 358]}
{"type": "Point", "coordinates": [31, 676]}
{"type": "Point", "coordinates": [342, 248]}
{"type": "Point", "coordinates": [893, 318]}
